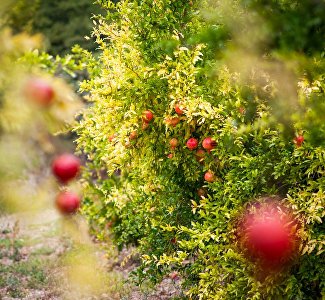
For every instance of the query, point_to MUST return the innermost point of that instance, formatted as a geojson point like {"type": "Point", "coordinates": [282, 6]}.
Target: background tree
{"type": "Point", "coordinates": [62, 23]}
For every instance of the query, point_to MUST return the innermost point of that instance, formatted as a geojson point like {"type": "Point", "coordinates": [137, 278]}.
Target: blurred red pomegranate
{"type": "Point", "coordinates": [67, 202]}
{"type": "Point", "coordinates": [66, 167]}
{"type": "Point", "coordinates": [39, 91]}
{"type": "Point", "coordinates": [267, 234]}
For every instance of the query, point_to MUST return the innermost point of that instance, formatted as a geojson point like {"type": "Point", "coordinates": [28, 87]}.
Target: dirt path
{"type": "Point", "coordinates": [43, 256]}
{"type": "Point", "coordinates": [29, 250]}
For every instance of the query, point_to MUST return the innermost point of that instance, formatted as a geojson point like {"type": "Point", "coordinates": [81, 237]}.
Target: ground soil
{"type": "Point", "coordinates": [33, 253]}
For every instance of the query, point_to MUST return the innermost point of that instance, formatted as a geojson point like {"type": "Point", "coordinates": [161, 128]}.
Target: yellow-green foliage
{"type": "Point", "coordinates": [240, 83]}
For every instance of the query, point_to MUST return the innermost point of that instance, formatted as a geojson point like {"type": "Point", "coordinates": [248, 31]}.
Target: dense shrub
{"type": "Point", "coordinates": [251, 80]}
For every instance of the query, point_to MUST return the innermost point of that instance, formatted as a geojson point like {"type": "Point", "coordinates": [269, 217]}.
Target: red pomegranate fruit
{"type": "Point", "coordinates": [299, 140]}
{"type": "Point", "coordinates": [67, 202]}
{"type": "Point", "coordinates": [192, 143]}
{"type": "Point", "coordinates": [173, 143]}
{"type": "Point", "coordinates": [133, 135]}
{"type": "Point", "coordinates": [147, 116]}
{"type": "Point", "coordinates": [39, 91]}
{"type": "Point", "coordinates": [179, 109]}
{"type": "Point", "coordinates": [208, 143]}
{"type": "Point", "coordinates": [209, 176]}
{"type": "Point", "coordinates": [172, 121]}
{"type": "Point", "coordinates": [66, 167]}
{"type": "Point", "coordinates": [268, 235]}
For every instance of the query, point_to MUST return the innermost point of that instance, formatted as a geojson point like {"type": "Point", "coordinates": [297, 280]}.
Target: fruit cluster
{"type": "Point", "coordinates": [208, 143]}
{"type": "Point", "coordinates": [192, 143]}
{"type": "Point", "coordinates": [65, 167]}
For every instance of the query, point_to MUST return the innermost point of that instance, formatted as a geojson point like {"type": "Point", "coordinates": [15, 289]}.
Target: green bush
{"type": "Point", "coordinates": [250, 75]}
